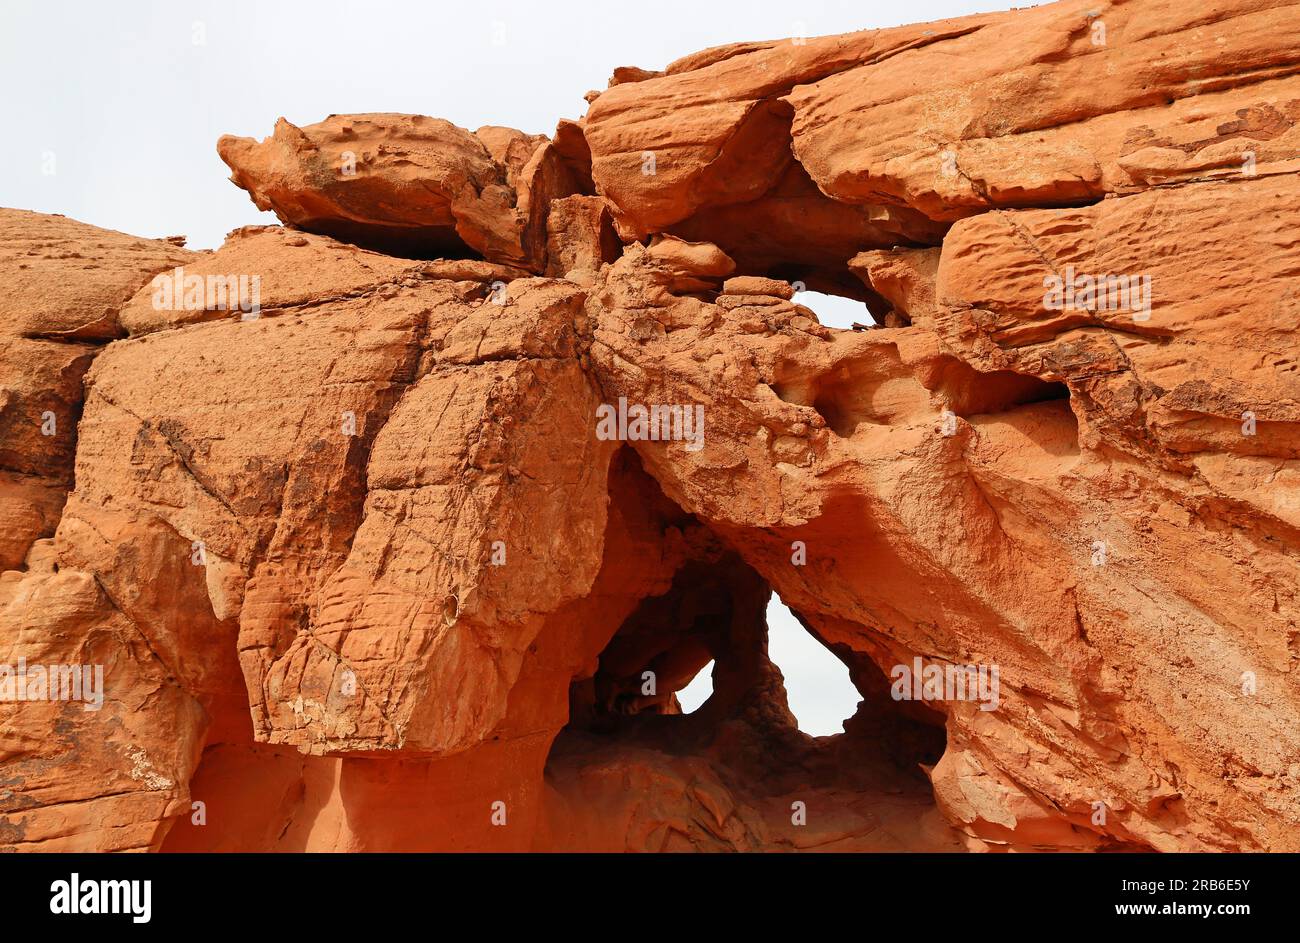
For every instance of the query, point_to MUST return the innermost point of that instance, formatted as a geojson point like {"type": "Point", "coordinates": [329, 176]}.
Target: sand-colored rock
{"type": "Point", "coordinates": [1057, 105]}
{"type": "Point", "coordinates": [378, 568]}
{"type": "Point", "coordinates": [252, 275]}
{"type": "Point", "coordinates": [68, 280]}
{"type": "Point", "coordinates": [580, 238]}
{"type": "Point", "coordinates": [757, 285]}
{"type": "Point", "coordinates": [408, 184]}
{"type": "Point", "coordinates": [67, 284]}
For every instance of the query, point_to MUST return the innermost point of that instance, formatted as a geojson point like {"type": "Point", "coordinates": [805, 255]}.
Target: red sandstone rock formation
{"type": "Point", "coordinates": [362, 575]}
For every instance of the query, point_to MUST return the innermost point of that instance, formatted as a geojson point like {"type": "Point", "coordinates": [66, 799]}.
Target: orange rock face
{"type": "Point", "coordinates": [401, 526]}
{"type": "Point", "coordinates": [409, 184]}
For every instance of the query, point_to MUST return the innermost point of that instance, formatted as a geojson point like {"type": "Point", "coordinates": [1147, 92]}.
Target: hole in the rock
{"type": "Point", "coordinates": [838, 413]}
{"type": "Point", "coordinates": [835, 311]}
{"type": "Point", "coordinates": [423, 243]}
{"type": "Point", "coordinates": [671, 642]}
{"type": "Point", "coordinates": [719, 648]}
{"type": "Point", "coordinates": [870, 388]}
{"type": "Point", "coordinates": [973, 394]}
{"type": "Point", "coordinates": [818, 687]}
{"type": "Point", "coordinates": [698, 691]}
{"type": "Point", "coordinates": [713, 686]}
{"type": "Point", "coordinates": [875, 389]}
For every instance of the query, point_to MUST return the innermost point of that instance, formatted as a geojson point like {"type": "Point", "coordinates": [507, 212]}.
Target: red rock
{"type": "Point", "coordinates": [1056, 105]}
{"type": "Point", "coordinates": [753, 285]}
{"type": "Point", "coordinates": [580, 238]}
{"type": "Point", "coordinates": [365, 573]}
{"type": "Point", "coordinates": [406, 183]}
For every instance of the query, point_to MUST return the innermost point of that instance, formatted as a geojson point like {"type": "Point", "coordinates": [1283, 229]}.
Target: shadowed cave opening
{"type": "Point", "coordinates": [419, 243]}
{"type": "Point", "coordinates": [874, 388]}
{"type": "Point", "coordinates": [689, 676]}
{"type": "Point", "coordinates": [853, 395]}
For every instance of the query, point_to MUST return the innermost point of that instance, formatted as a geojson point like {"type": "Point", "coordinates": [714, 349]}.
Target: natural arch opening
{"type": "Point", "coordinates": [819, 689]}
{"type": "Point", "coordinates": [836, 311]}
{"type": "Point", "coordinates": [698, 691]}
{"type": "Point", "coordinates": [684, 734]}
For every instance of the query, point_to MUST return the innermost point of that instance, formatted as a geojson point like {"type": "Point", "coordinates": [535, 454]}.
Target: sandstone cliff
{"type": "Point", "coordinates": [330, 508]}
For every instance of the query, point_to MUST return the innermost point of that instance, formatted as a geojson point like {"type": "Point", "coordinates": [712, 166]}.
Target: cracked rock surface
{"type": "Point", "coordinates": [362, 574]}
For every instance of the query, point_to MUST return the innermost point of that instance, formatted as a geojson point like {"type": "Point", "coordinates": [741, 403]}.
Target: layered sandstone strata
{"type": "Point", "coordinates": [363, 574]}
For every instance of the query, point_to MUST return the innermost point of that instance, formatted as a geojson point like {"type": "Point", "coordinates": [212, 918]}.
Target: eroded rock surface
{"type": "Point", "coordinates": [409, 184]}
{"type": "Point", "coordinates": [364, 568]}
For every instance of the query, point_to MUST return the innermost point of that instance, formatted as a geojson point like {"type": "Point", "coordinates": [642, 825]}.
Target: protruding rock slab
{"type": "Point", "coordinates": [408, 184]}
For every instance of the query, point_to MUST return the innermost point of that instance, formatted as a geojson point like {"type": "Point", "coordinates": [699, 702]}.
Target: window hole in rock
{"type": "Point", "coordinates": [698, 691]}
{"type": "Point", "coordinates": [835, 310]}
{"type": "Point", "coordinates": [819, 690]}
{"type": "Point", "coordinates": [707, 703]}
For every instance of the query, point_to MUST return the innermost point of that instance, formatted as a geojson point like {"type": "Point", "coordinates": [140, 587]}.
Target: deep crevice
{"type": "Point", "coordinates": [421, 243]}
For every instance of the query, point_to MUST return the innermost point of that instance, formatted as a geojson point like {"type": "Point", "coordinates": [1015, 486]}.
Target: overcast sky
{"type": "Point", "coordinates": [817, 684]}
{"type": "Point", "coordinates": [113, 111]}
{"type": "Point", "coordinates": [129, 98]}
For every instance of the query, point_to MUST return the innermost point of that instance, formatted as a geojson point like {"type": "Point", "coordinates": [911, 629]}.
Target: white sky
{"type": "Point", "coordinates": [129, 108]}
{"type": "Point", "coordinates": [818, 688]}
